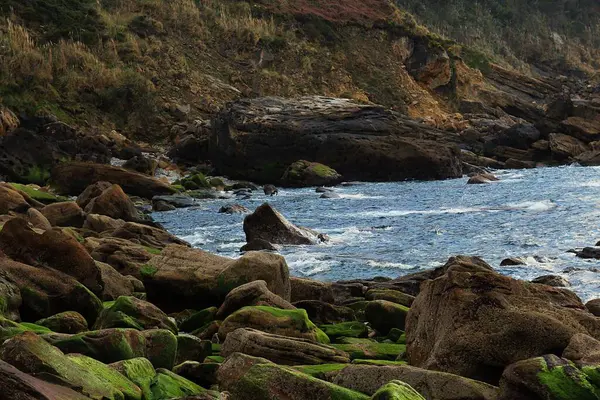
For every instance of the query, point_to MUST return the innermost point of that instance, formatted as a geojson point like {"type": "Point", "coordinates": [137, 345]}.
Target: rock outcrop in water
{"type": "Point", "coordinates": [258, 139]}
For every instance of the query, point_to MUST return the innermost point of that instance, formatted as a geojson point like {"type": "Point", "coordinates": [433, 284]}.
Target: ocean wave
{"type": "Point", "coordinates": [359, 196]}
{"type": "Point", "coordinates": [309, 264]}
{"type": "Point", "coordinates": [386, 264]}
{"type": "Point", "coordinates": [542, 205]}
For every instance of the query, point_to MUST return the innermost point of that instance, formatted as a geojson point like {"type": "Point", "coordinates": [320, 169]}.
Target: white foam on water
{"type": "Point", "coordinates": [402, 213]}
{"type": "Point", "coordinates": [386, 264]}
{"type": "Point", "coordinates": [198, 238]}
{"type": "Point", "coordinates": [358, 196]}
{"type": "Point", "coordinates": [543, 205]}
{"type": "Point", "coordinates": [309, 264]}
{"type": "Point", "coordinates": [349, 234]}
{"type": "Point", "coordinates": [232, 245]}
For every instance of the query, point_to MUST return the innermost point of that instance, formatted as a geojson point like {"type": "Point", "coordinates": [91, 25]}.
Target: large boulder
{"type": "Point", "coordinates": [73, 177]}
{"type": "Point", "coordinates": [565, 146]}
{"type": "Point", "coordinates": [361, 142]}
{"type": "Point", "coordinates": [65, 213]}
{"type": "Point", "coordinates": [31, 354]}
{"type": "Point", "coordinates": [291, 323]}
{"type": "Point", "coordinates": [19, 385]}
{"type": "Point", "coordinates": [70, 322]}
{"type": "Point", "coordinates": [305, 173]}
{"type": "Point", "coordinates": [131, 312]}
{"type": "Point", "coordinates": [281, 349]}
{"type": "Point", "coordinates": [252, 378]}
{"type": "Point", "coordinates": [92, 191]}
{"type": "Point", "coordinates": [46, 292]}
{"type": "Point", "coordinates": [51, 249]}
{"type": "Point", "coordinates": [141, 164]}
{"type": "Point", "coordinates": [310, 289]}
{"type": "Point", "coordinates": [113, 202]}
{"type": "Point", "coordinates": [127, 257]}
{"type": "Point", "coordinates": [433, 385]}
{"type": "Point", "coordinates": [474, 322]}
{"type": "Point", "coordinates": [325, 313]}
{"type": "Point", "coordinates": [251, 294]}
{"type": "Point", "coordinates": [180, 277]}
{"type": "Point", "coordinates": [146, 235]}
{"type": "Point", "coordinates": [266, 223]}
{"type": "Point", "coordinates": [549, 377]}
{"type": "Point", "coordinates": [12, 200]}
{"type": "Point", "coordinates": [385, 315]}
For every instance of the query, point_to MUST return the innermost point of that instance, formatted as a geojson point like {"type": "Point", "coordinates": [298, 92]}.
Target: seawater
{"type": "Point", "coordinates": [392, 229]}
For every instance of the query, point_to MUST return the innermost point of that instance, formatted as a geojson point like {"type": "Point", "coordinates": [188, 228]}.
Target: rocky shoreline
{"type": "Point", "coordinates": [100, 302]}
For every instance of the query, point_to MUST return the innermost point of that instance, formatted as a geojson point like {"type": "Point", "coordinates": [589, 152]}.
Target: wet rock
{"type": "Point", "coordinates": [482, 178]}
{"type": "Point", "coordinates": [183, 276]}
{"type": "Point", "coordinates": [52, 249]}
{"type": "Point", "coordinates": [209, 194]}
{"type": "Point", "coordinates": [259, 245]}
{"type": "Point", "coordinates": [471, 304]}
{"type": "Point", "coordinates": [305, 173]}
{"type": "Point", "coordinates": [588, 252]}
{"type": "Point", "coordinates": [114, 203]}
{"type": "Point", "coordinates": [268, 224]}
{"type": "Point", "coordinates": [65, 322]}
{"type": "Point", "coordinates": [325, 313]}
{"type": "Point", "coordinates": [251, 294]}
{"type": "Point", "coordinates": [141, 164]}
{"type": "Point", "coordinates": [178, 201]}
{"type": "Point", "coordinates": [286, 322]}
{"type": "Point", "coordinates": [130, 312]}
{"type": "Point", "coordinates": [74, 177]}
{"type": "Point", "coordinates": [512, 261]}
{"type": "Point", "coordinates": [552, 280]}
{"type": "Point", "coordinates": [330, 195]}
{"type": "Point", "coordinates": [363, 142]}
{"type": "Point", "coordinates": [234, 209]}
{"type": "Point", "coordinates": [432, 385]}
{"type": "Point", "coordinates": [593, 306]}
{"type": "Point", "coordinates": [512, 163]}
{"type": "Point", "coordinates": [270, 190]}
{"type": "Point", "coordinates": [46, 292]}
{"type": "Point", "coordinates": [162, 206]}
{"type": "Point", "coordinates": [280, 349]}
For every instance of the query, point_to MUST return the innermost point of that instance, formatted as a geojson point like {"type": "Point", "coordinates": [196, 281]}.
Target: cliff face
{"type": "Point", "coordinates": [142, 67]}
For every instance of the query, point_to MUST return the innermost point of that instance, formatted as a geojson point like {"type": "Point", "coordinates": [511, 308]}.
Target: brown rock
{"type": "Point", "coordinates": [259, 245]}
{"type": "Point", "coordinates": [70, 322]}
{"type": "Point", "coordinates": [587, 130]}
{"type": "Point", "coordinates": [324, 313]}
{"type": "Point", "coordinates": [593, 306]}
{"type": "Point", "coordinates": [186, 276]}
{"type": "Point", "coordinates": [113, 202]}
{"type": "Point", "coordinates": [102, 223]}
{"type": "Point", "coordinates": [268, 224]}
{"type": "Point", "coordinates": [433, 385]}
{"type": "Point", "coordinates": [309, 289]}
{"type": "Point", "coordinates": [565, 146]}
{"type": "Point", "coordinates": [66, 213]}
{"type": "Point", "coordinates": [482, 178]}
{"type": "Point", "coordinates": [126, 257]}
{"type": "Point", "coordinates": [52, 249]}
{"type": "Point", "coordinates": [147, 235]}
{"type": "Point", "coordinates": [474, 322]}
{"type": "Point", "coordinates": [254, 293]}
{"type": "Point", "coordinates": [583, 350]}
{"type": "Point", "coordinates": [280, 349]}
{"type": "Point", "coordinates": [509, 262]}
{"type": "Point", "coordinates": [141, 164]}
{"type": "Point", "coordinates": [37, 219]}
{"type": "Point", "coordinates": [8, 121]}
{"type": "Point", "coordinates": [12, 200]}
{"type": "Point", "coordinates": [114, 284]}
{"type": "Point", "coordinates": [92, 191]}
{"type": "Point", "coordinates": [512, 163]}
{"type": "Point", "coordinates": [552, 280]}
{"type": "Point", "coordinates": [73, 177]}
{"type": "Point", "coordinates": [305, 173]}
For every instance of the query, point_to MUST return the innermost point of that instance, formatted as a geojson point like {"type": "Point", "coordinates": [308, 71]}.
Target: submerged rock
{"type": "Point", "coordinates": [234, 209]}
{"type": "Point", "coordinates": [552, 280]}
{"type": "Point", "coordinates": [482, 178]}
{"type": "Point", "coordinates": [512, 261]}
{"type": "Point", "coordinates": [270, 190]}
{"type": "Point", "coordinates": [268, 224]}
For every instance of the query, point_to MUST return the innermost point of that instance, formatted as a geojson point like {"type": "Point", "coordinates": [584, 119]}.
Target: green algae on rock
{"type": "Point", "coordinates": [397, 390]}
{"type": "Point", "coordinates": [321, 371]}
{"type": "Point", "coordinates": [161, 347]}
{"type": "Point", "coordinates": [385, 315]}
{"type": "Point", "coordinates": [139, 371]}
{"type": "Point", "coordinates": [304, 173]}
{"type": "Point", "coordinates": [9, 328]}
{"type": "Point", "coordinates": [131, 312]}
{"type": "Point", "coordinates": [371, 350]}
{"type": "Point", "coordinates": [394, 296]}
{"type": "Point", "coordinates": [192, 348]}
{"type": "Point", "coordinates": [168, 385]}
{"type": "Point", "coordinates": [198, 319]}
{"type": "Point", "coordinates": [346, 329]}
{"type": "Point", "coordinates": [65, 322]}
{"type": "Point", "coordinates": [292, 323]}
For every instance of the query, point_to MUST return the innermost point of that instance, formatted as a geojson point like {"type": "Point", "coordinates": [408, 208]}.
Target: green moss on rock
{"type": "Point", "coordinates": [168, 385]}
{"type": "Point", "coordinates": [198, 319]}
{"type": "Point", "coordinates": [320, 371]}
{"type": "Point", "coordinates": [131, 312]}
{"type": "Point", "coordinates": [385, 315]}
{"type": "Point", "coordinates": [161, 347]}
{"type": "Point", "coordinates": [9, 328]}
{"type": "Point", "coordinates": [346, 329]}
{"type": "Point", "coordinates": [139, 371]}
{"type": "Point", "coordinates": [397, 390]}
{"type": "Point", "coordinates": [65, 322]}
{"type": "Point", "coordinates": [39, 195]}
{"type": "Point", "coordinates": [372, 350]}
{"type": "Point", "coordinates": [566, 382]}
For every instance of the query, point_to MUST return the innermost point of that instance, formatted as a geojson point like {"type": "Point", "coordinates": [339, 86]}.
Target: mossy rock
{"type": "Point", "coordinates": [131, 312]}
{"type": "Point", "coordinates": [161, 347]}
{"type": "Point", "coordinates": [139, 371]}
{"type": "Point", "coordinates": [305, 173]}
{"type": "Point", "coordinates": [359, 308]}
{"type": "Point", "coordinates": [385, 315]}
{"type": "Point", "coordinates": [195, 181]}
{"type": "Point", "coordinates": [198, 319]}
{"type": "Point", "coordinates": [346, 329]}
{"type": "Point", "coordinates": [321, 371]}
{"type": "Point", "coordinates": [395, 335]}
{"type": "Point", "coordinates": [108, 376]}
{"type": "Point", "coordinates": [203, 374]}
{"type": "Point", "coordinates": [208, 331]}
{"type": "Point", "coordinates": [191, 348]}
{"type": "Point", "coordinates": [378, 362]}
{"type": "Point", "coordinates": [372, 350]}
{"type": "Point", "coordinates": [395, 296]}
{"type": "Point", "coordinates": [216, 348]}
{"type": "Point", "coordinates": [397, 390]}
{"type": "Point", "coordinates": [9, 329]}
{"type": "Point", "coordinates": [214, 359]}
{"type": "Point", "coordinates": [65, 322]}
{"type": "Point", "coordinates": [217, 183]}
{"type": "Point", "coordinates": [292, 323]}
{"type": "Point", "coordinates": [39, 195]}
{"type": "Point", "coordinates": [31, 354]}
{"type": "Point", "coordinates": [168, 385]}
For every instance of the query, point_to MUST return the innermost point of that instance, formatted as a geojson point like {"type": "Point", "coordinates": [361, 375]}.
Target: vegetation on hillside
{"type": "Point", "coordinates": [547, 34]}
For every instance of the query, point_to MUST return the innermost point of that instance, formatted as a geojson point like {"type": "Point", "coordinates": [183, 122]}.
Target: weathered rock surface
{"type": "Point", "coordinates": [433, 385]}
{"type": "Point", "coordinates": [130, 312]}
{"type": "Point", "coordinates": [183, 276]}
{"type": "Point", "coordinates": [251, 294]}
{"type": "Point", "coordinates": [309, 289]}
{"type": "Point", "coordinates": [552, 280]}
{"type": "Point", "coordinates": [266, 223]}
{"type": "Point", "coordinates": [473, 322]}
{"type": "Point", "coordinates": [114, 203]}
{"type": "Point", "coordinates": [361, 142]}
{"type": "Point", "coordinates": [385, 315]}
{"type": "Point", "coordinates": [253, 378]}
{"type": "Point", "coordinates": [66, 213]}
{"type": "Point", "coordinates": [66, 322]}
{"type": "Point", "coordinates": [321, 312]}
{"type": "Point", "coordinates": [127, 257]}
{"type": "Point", "coordinates": [73, 177]}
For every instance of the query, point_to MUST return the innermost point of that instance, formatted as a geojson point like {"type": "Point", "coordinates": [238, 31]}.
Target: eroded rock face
{"type": "Point", "coordinates": [473, 322]}
{"type": "Point", "coordinates": [361, 142]}
{"type": "Point", "coordinates": [266, 223]}
{"type": "Point", "coordinates": [281, 349]}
